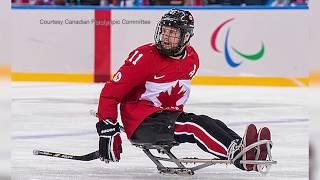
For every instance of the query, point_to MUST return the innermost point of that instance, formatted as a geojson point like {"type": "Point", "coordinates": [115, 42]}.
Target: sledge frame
{"type": "Point", "coordinates": [180, 169]}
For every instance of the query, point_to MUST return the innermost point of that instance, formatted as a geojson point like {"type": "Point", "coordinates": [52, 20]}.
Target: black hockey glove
{"type": "Point", "coordinates": [109, 141]}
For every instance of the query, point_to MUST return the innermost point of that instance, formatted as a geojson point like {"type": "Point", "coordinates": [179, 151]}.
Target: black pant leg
{"type": "Point", "coordinates": [211, 135]}
{"type": "Point", "coordinates": [229, 131]}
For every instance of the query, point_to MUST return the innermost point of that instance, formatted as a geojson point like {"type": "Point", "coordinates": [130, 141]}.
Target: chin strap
{"type": "Point", "coordinates": [180, 55]}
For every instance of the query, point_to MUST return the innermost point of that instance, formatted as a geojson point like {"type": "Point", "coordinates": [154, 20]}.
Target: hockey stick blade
{"type": "Point", "coordinates": [87, 157]}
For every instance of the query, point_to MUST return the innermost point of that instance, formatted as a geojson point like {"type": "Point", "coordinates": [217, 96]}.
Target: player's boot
{"type": "Point", "coordinates": [261, 155]}
{"type": "Point", "coordinates": [250, 137]}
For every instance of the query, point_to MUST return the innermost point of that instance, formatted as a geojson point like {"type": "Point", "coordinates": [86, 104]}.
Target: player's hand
{"type": "Point", "coordinates": [109, 141]}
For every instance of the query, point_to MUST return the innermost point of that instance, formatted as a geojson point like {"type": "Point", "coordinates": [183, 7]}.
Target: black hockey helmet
{"type": "Point", "coordinates": [179, 19]}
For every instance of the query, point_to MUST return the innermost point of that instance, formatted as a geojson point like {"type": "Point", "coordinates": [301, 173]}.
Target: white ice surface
{"type": "Point", "coordinates": [55, 117]}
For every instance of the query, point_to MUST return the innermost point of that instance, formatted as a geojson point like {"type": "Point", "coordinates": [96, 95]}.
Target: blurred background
{"type": "Point", "coordinates": [5, 97]}
{"type": "Point", "coordinates": [163, 2]}
{"type": "Point", "coordinates": [275, 43]}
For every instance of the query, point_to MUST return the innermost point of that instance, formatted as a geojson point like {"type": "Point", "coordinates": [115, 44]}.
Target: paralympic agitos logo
{"type": "Point", "coordinates": [227, 54]}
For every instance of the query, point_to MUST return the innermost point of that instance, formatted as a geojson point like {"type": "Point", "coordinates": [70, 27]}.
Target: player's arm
{"type": "Point", "coordinates": [134, 72]}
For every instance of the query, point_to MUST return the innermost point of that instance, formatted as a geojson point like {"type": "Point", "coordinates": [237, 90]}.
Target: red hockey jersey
{"type": "Point", "coordinates": [147, 82]}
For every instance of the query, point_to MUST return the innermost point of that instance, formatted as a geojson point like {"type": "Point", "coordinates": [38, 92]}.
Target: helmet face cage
{"type": "Point", "coordinates": [177, 21]}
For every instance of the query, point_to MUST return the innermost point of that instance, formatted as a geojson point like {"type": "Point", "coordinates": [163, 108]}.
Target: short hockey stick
{"type": "Point", "coordinates": [87, 157]}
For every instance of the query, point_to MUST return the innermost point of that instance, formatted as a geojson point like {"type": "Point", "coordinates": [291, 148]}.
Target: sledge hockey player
{"type": "Point", "coordinates": [152, 87]}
